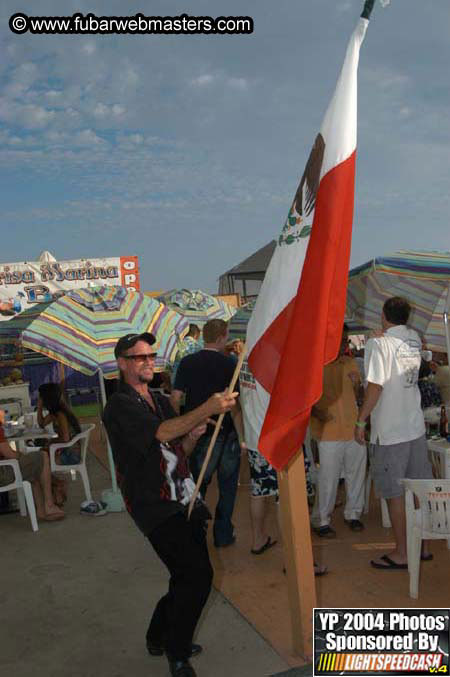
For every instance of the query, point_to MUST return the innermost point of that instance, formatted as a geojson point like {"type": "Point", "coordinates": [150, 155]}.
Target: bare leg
{"type": "Point", "coordinates": [38, 499]}
{"type": "Point", "coordinates": [258, 513]}
{"type": "Point", "coordinates": [45, 482]}
{"type": "Point", "coordinates": [398, 518]}
{"type": "Point", "coordinates": [59, 489]}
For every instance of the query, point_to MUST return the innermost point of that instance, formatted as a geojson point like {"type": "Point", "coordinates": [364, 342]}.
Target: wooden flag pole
{"type": "Point", "coordinates": [298, 554]}
{"type": "Point", "coordinates": [216, 431]}
{"type": "Point", "coordinates": [61, 375]}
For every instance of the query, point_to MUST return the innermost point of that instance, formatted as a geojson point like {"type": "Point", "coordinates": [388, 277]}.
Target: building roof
{"type": "Point", "coordinates": [254, 265]}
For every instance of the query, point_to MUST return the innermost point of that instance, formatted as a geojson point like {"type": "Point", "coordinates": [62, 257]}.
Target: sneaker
{"type": "Point", "coordinates": [354, 525]}
{"type": "Point", "coordinates": [181, 668]}
{"type": "Point", "coordinates": [325, 531]}
{"type": "Point", "coordinates": [95, 508]}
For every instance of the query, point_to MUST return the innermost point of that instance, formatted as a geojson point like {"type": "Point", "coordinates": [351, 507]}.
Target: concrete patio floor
{"type": "Point", "coordinates": [76, 597]}
{"type": "Point", "coordinates": [80, 592]}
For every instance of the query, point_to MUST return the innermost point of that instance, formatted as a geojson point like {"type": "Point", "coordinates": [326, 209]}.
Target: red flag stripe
{"type": "Point", "coordinates": [315, 318]}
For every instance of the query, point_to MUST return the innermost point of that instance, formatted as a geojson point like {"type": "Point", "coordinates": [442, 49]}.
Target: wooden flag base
{"type": "Point", "coordinates": [298, 555]}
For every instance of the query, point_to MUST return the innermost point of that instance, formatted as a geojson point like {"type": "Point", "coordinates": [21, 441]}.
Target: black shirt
{"type": "Point", "coordinates": [202, 374]}
{"type": "Point", "coordinates": [151, 493]}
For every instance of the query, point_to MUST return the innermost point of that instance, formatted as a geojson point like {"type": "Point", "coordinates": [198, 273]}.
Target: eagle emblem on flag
{"type": "Point", "coordinates": [299, 221]}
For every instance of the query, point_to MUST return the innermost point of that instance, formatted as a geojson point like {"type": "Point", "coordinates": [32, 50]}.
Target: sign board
{"type": "Point", "coordinates": [381, 641]}
{"type": "Point", "coordinates": [26, 283]}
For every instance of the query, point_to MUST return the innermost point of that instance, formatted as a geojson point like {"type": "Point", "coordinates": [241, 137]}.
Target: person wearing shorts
{"type": "Point", "coordinates": [396, 461]}
{"type": "Point", "coordinates": [397, 436]}
{"type": "Point", "coordinates": [264, 484]}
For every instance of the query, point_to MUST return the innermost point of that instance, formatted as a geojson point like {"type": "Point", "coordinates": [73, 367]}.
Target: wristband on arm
{"type": "Point", "coordinates": [360, 424]}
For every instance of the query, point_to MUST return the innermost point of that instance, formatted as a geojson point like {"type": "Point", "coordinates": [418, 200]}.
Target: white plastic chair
{"type": "Point", "coordinates": [431, 520]}
{"type": "Point", "coordinates": [24, 491]}
{"type": "Point", "coordinates": [440, 461]}
{"type": "Point", "coordinates": [83, 438]}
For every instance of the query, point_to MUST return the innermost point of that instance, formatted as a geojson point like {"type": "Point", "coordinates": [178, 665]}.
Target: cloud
{"type": "Point", "coordinates": [176, 135]}
{"type": "Point", "coordinates": [344, 6]}
{"type": "Point", "coordinates": [36, 117]}
{"type": "Point", "coordinates": [117, 109]}
{"type": "Point", "coordinates": [30, 116]}
{"type": "Point", "coordinates": [88, 48]}
{"type": "Point", "coordinates": [203, 80]}
{"type": "Point", "coordinates": [87, 137]}
{"type": "Point", "coordinates": [386, 78]}
{"type": "Point", "coordinates": [208, 79]}
{"type": "Point", "coordinates": [104, 111]}
{"type": "Point", "coordinates": [238, 83]}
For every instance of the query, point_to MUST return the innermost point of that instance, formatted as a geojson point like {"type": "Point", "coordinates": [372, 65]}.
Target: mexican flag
{"type": "Point", "coordinates": [295, 328]}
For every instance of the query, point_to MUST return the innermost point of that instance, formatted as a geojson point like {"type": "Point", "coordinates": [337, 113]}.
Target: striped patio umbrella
{"type": "Point", "coordinates": [197, 306]}
{"type": "Point", "coordinates": [81, 328]}
{"type": "Point", "coordinates": [423, 278]}
{"type": "Point", "coordinates": [237, 329]}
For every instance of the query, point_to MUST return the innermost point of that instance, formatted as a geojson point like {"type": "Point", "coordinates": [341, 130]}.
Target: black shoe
{"type": "Point", "coordinates": [158, 650]}
{"type": "Point", "coordinates": [325, 531]}
{"type": "Point", "coordinates": [354, 525]}
{"type": "Point", "coordinates": [181, 668]}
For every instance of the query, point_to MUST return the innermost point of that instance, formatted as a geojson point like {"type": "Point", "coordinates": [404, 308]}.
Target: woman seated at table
{"type": "Point", "coordinates": [65, 425]}
{"type": "Point", "coordinates": [35, 468]}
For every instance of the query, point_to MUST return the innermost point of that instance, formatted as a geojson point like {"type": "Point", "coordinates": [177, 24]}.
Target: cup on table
{"type": "Point", "coordinates": [28, 420]}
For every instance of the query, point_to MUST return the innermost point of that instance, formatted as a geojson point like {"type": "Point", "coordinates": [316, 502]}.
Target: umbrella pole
{"type": "Point", "coordinates": [446, 327]}
{"type": "Point", "coordinates": [112, 497]}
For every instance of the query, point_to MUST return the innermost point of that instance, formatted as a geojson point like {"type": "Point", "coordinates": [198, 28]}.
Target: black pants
{"type": "Point", "coordinates": [183, 550]}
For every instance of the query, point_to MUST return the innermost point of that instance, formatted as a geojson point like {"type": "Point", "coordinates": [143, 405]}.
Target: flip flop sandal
{"type": "Point", "coordinates": [390, 564]}
{"type": "Point", "coordinates": [320, 571]}
{"type": "Point", "coordinates": [268, 544]}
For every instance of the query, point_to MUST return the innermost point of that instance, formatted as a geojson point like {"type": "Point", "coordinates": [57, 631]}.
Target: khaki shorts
{"type": "Point", "coordinates": [393, 462]}
{"type": "Point", "coordinates": [30, 467]}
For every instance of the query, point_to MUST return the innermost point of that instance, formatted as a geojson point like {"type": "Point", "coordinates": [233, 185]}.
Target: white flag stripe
{"type": "Point", "coordinates": [340, 139]}
{"type": "Point", "coordinates": [286, 264]}
{"type": "Point", "coordinates": [339, 132]}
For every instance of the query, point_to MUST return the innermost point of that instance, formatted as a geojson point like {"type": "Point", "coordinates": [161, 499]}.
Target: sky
{"type": "Point", "coordinates": [186, 150]}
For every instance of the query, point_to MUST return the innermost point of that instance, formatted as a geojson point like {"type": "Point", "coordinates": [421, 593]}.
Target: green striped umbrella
{"type": "Point", "coordinates": [423, 278]}
{"type": "Point", "coordinates": [81, 328]}
{"type": "Point", "coordinates": [197, 306]}
{"type": "Point", "coordinates": [237, 328]}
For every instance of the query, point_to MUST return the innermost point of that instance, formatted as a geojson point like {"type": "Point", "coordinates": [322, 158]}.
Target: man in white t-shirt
{"type": "Point", "coordinates": [392, 399]}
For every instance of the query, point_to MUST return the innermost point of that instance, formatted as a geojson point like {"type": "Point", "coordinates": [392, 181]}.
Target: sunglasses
{"type": "Point", "coordinates": [140, 359]}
